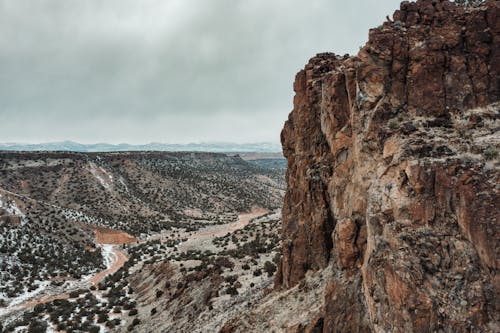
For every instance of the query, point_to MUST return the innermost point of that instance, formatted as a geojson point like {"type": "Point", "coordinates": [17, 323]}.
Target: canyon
{"type": "Point", "coordinates": [83, 236]}
{"type": "Point", "coordinates": [386, 220]}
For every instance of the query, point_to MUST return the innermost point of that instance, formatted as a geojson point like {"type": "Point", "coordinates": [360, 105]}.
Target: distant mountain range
{"type": "Point", "coordinates": [261, 147]}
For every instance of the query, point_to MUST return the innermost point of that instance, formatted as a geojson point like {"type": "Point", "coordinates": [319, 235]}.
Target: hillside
{"type": "Point", "coordinates": [141, 192]}
{"type": "Point", "coordinates": [64, 215]}
{"type": "Point", "coordinates": [262, 147]}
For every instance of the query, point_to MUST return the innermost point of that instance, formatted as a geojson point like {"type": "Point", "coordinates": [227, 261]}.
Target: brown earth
{"type": "Point", "coordinates": [33, 303]}
{"type": "Point", "coordinates": [110, 236]}
{"type": "Point", "coordinates": [120, 260]}
{"type": "Point", "coordinates": [243, 220]}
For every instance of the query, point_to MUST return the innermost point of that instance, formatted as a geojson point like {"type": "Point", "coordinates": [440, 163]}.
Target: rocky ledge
{"type": "Point", "coordinates": [393, 176]}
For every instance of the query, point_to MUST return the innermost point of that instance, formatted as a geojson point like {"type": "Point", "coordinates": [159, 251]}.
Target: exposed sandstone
{"type": "Point", "coordinates": [393, 176]}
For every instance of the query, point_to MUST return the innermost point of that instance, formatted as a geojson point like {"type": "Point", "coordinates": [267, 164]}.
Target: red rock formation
{"type": "Point", "coordinates": [393, 175]}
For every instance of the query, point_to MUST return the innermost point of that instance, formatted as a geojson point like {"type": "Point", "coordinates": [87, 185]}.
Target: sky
{"type": "Point", "coordinates": [172, 71]}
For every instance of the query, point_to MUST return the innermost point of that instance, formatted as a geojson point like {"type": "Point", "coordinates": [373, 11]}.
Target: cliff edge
{"type": "Point", "coordinates": [393, 176]}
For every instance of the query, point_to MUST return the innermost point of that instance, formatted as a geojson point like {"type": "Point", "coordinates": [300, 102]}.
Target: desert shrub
{"type": "Point", "coordinates": [94, 329]}
{"type": "Point", "coordinates": [102, 318]}
{"type": "Point", "coordinates": [224, 262]}
{"type": "Point", "coordinates": [270, 268]}
{"type": "Point", "coordinates": [37, 326]}
{"type": "Point", "coordinates": [39, 308]}
{"type": "Point", "coordinates": [231, 278]}
{"type": "Point", "coordinates": [393, 124]}
{"type": "Point", "coordinates": [232, 291]}
{"type": "Point", "coordinates": [277, 258]}
{"type": "Point", "coordinates": [490, 153]}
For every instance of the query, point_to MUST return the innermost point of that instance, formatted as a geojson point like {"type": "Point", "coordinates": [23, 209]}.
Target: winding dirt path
{"type": "Point", "coordinates": [109, 238]}
{"type": "Point", "coordinates": [119, 260]}
{"type": "Point", "coordinates": [243, 220]}
{"type": "Point", "coordinates": [202, 240]}
{"type": "Point", "coordinates": [104, 237]}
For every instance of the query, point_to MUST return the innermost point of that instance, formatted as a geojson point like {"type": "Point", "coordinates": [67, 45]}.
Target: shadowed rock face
{"type": "Point", "coordinates": [393, 175]}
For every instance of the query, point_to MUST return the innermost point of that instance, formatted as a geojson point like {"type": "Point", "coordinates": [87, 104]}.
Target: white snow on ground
{"type": "Point", "coordinates": [123, 183]}
{"type": "Point", "coordinates": [50, 328]}
{"type": "Point", "coordinates": [76, 284]}
{"type": "Point", "coordinates": [97, 172]}
{"type": "Point", "coordinates": [71, 214]}
{"type": "Point", "coordinates": [11, 208]}
{"type": "Point", "coordinates": [108, 255]}
{"type": "Point", "coordinates": [102, 328]}
{"type": "Point", "coordinates": [99, 297]}
{"type": "Point", "coordinates": [26, 296]}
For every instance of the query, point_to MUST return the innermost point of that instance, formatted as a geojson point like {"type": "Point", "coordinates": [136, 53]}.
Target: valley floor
{"type": "Point", "coordinates": [116, 249]}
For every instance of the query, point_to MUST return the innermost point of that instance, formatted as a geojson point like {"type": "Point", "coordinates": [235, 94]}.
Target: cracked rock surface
{"type": "Point", "coordinates": [393, 176]}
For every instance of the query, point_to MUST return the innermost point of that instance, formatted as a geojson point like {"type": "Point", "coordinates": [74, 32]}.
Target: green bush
{"type": "Point", "coordinates": [490, 153]}
{"type": "Point", "coordinates": [232, 291]}
{"type": "Point", "coordinates": [270, 268]}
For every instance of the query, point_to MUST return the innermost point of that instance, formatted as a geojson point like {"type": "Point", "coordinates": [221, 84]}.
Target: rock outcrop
{"type": "Point", "coordinates": [393, 176]}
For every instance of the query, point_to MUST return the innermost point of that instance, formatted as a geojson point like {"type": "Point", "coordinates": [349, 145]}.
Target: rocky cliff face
{"type": "Point", "coordinates": [393, 175]}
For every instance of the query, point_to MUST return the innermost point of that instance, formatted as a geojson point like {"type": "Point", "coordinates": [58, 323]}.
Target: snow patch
{"type": "Point", "coordinates": [24, 297]}
{"type": "Point", "coordinates": [11, 208]}
{"type": "Point", "coordinates": [108, 255]}
{"type": "Point", "coordinates": [123, 183]}
{"type": "Point", "coordinates": [102, 175]}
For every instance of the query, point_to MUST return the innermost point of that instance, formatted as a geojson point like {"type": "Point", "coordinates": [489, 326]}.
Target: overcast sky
{"type": "Point", "coordinates": [171, 71]}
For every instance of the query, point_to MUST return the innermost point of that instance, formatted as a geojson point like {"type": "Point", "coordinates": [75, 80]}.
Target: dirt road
{"type": "Point", "coordinates": [119, 260]}
{"type": "Point", "coordinates": [217, 231]}
{"type": "Point", "coordinates": [202, 240]}
{"type": "Point", "coordinates": [113, 258]}
{"type": "Point", "coordinates": [108, 239]}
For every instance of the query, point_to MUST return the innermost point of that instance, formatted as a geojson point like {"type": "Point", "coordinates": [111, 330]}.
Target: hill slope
{"type": "Point", "coordinates": [52, 203]}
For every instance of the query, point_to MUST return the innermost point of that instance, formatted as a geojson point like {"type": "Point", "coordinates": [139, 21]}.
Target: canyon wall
{"type": "Point", "coordinates": [393, 175]}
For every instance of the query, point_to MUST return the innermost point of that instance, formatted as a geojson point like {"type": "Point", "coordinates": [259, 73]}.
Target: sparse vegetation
{"type": "Point", "coordinates": [490, 153]}
{"type": "Point", "coordinates": [51, 242]}
{"type": "Point", "coordinates": [393, 124]}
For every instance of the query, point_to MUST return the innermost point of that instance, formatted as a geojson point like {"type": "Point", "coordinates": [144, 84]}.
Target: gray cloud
{"type": "Point", "coordinates": [164, 70]}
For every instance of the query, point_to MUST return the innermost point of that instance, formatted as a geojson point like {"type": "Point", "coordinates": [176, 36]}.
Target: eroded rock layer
{"type": "Point", "coordinates": [393, 175]}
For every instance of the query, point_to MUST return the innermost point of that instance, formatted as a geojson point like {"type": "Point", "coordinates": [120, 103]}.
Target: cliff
{"type": "Point", "coordinates": [393, 176]}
